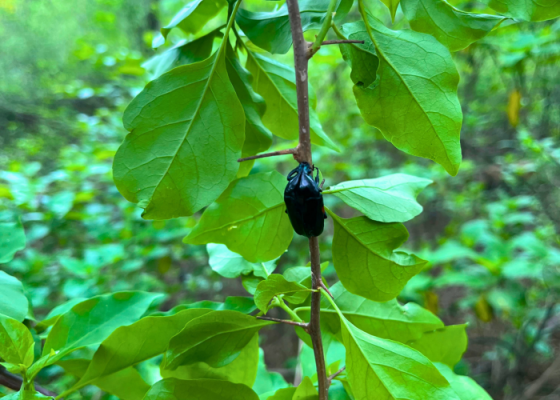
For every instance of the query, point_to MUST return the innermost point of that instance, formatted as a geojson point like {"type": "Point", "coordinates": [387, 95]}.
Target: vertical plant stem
{"type": "Point", "coordinates": [304, 154]}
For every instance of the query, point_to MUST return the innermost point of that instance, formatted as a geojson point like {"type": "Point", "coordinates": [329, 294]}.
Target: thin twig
{"type": "Point", "coordinates": [340, 371]}
{"type": "Point", "coordinates": [326, 42]}
{"type": "Point", "coordinates": [14, 382]}
{"type": "Point", "coordinates": [303, 325]}
{"type": "Point", "coordinates": [271, 154]}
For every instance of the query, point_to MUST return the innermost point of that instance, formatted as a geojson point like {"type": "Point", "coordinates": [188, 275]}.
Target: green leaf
{"type": "Point", "coordinates": [306, 390]}
{"type": "Point", "coordinates": [191, 18]}
{"type": "Point", "coordinates": [201, 389]}
{"type": "Point", "coordinates": [464, 387]}
{"type": "Point", "coordinates": [90, 322]}
{"type": "Point", "coordinates": [275, 285]}
{"type": "Point", "coordinates": [527, 10]}
{"type": "Point", "coordinates": [422, 115]}
{"type": "Point", "coordinates": [267, 381]}
{"type": "Point", "coordinates": [362, 58]}
{"type": "Point", "coordinates": [388, 320]}
{"type": "Point", "coordinates": [182, 53]}
{"type": "Point", "coordinates": [391, 198]}
{"type": "Point", "coordinates": [302, 275]}
{"type": "Point", "coordinates": [248, 218]}
{"type": "Point", "coordinates": [271, 30]}
{"type": "Point", "coordinates": [365, 259]}
{"type": "Point", "coordinates": [257, 136]}
{"type": "Point", "coordinates": [187, 129]}
{"type": "Point", "coordinates": [126, 384]}
{"type": "Point", "coordinates": [232, 265]}
{"type": "Point", "coordinates": [245, 305]}
{"type": "Point", "coordinates": [132, 344]}
{"type": "Point", "coordinates": [241, 370]}
{"type": "Point", "coordinates": [453, 28]}
{"type": "Point", "coordinates": [216, 338]}
{"type": "Point", "coordinates": [12, 239]}
{"type": "Point", "coordinates": [275, 82]}
{"type": "Point", "coordinates": [382, 368]}
{"type": "Point", "coordinates": [280, 394]}
{"type": "Point", "coordinates": [56, 313]}
{"type": "Point", "coordinates": [445, 345]}
{"type": "Point", "coordinates": [392, 5]}
{"type": "Point", "coordinates": [13, 302]}
{"type": "Point", "coordinates": [16, 342]}
{"type": "Point", "coordinates": [26, 394]}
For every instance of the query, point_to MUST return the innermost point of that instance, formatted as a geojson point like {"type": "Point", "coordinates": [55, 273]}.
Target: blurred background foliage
{"type": "Point", "coordinates": [69, 68]}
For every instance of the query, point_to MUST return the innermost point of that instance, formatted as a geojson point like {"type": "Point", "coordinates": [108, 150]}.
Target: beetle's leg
{"type": "Point", "coordinates": [292, 173]}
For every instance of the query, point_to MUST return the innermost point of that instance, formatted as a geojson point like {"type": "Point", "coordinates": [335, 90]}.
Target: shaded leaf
{"type": "Point", "coordinates": [215, 338]}
{"type": "Point", "coordinates": [248, 218]}
{"type": "Point", "coordinates": [12, 239]}
{"type": "Point", "coordinates": [232, 265]}
{"type": "Point", "coordinates": [275, 82]}
{"type": "Point", "coordinates": [276, 285]}
{"type": "Point", "coordinates": [527, 10]}
{"type": "Point", "coordinates": [453, 28]}
{"type": "Point", "coordinates": [242, 304]}
{"type": "Point", "coordinates": [191, 18]}
{"type": "Point", "coordinates": [202, 389]}
{"type": "Point", "coordinates": [16, 342]}
{"type": "Point", "coordinates": [391, 198]}
{"type": "Point", "coordinates": [365, 259]}
{"type": "Point", "coordinates": [241, 370]}
{"type": "Point", "coordinates": [362, 58]}
{"type": "Point", "coordinates": [13, 302]}
{"type": "Point", "coordinates": [186, 133]}
{"type": "Point", "coordinates": [132, 344]}
{"type": "Point", "coordinates": [445, 345]}
{"type": "Point", "coordinates": [271, 30]}
{"type": "Point", "coordinates": [414, 102]}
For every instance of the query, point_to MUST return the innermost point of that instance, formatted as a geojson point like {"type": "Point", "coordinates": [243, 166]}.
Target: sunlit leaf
{"type": "Point", "coordinates": [276, 285]}
{"type": "Point", "coordinates": [445, 345]}
{"type": "Point", "coordinates": [414, 101]}
{"type": "Point", "coordinates": [306, 391]}
{"type": "Point", "coordinates": [249, 218]}
{"type": "Point", "coordinates": [513, 107]}
{"type": "Point", "coordinates": [365, 259]}
{"type": "Point", "coordinates": [200, 389]}
{"type": "Point", "coordinates": [454, 28]}
{"type": "Point", "coordinates": [391, 198]}
{"type": "Point", "coordinates": [527, 10]}
{"type": "Point", "coordinates": [13, 302]}
{"type": "Point", "coordinates": [232, 265]}
{"type": "Point", "coordinates": [465, 387]}
{"type": "Point", "coordinates": [16, 342]}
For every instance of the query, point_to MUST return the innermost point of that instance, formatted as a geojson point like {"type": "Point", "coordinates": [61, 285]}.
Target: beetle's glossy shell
{"type": "Point", "coordinates": [304, 202]}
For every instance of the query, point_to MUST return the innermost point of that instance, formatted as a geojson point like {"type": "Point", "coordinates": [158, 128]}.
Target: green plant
{"type": "Point", "coordinates": [189, 128]}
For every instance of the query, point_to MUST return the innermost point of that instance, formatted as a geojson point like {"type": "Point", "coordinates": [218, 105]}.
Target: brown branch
{"type": "Point", "coordinates": [14, 382]}
{"type": "Point", "coordinates": [303, 325]}
{"type": "Point", "coordinates": [326, 42]}
{"type": "Point", "coordinates": [304, 154]}
{"type": "Point", "coordinates": [331, 378]}
{"type": "Point", "coordinates": [271, 154]}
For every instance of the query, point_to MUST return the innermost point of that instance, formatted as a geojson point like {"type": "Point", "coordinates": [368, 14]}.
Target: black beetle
{"type": "Point", "coordinates": [304, 201]}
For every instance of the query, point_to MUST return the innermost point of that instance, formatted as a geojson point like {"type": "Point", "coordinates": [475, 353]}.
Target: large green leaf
{"type": "Point", "coordinates": [216, 338]}
{"type": "Point", "coordinates": [445, 345]}
{"type": "Point", "coordinates": [528, 10]}
{"type": "Point", "coordinates": [383, 369]}
{"type": "Point", "coordinates": [241, 370]}
{"type": "Point", "coordinates": [365, 259]}
{"type": "Point", "coordinates": [391, 198]}
{"type": "Point", "coordinates": [245, 305]}
{"type": "Point", "coordinates": [271, 30]}
{"type": "Point", "coordinates": [90, 322]}
{"type": "Point", "coordinates": [187, 129]}
{"type": "Point", "coordinates": [464, 387]}
{"type": "Point", "coordinates": [276, 83]}
{"type": "Point", "coordinates": [16, 342]}
{"type": "Point", "coordinates": [181, 54]}
{"type": "Point", "coordinates": [414, 101]}
{"type": "Point", "coordinates": [362, 58]}
{"type": "Point", "coordinates": [12, 239]}
{"type": "Point", "coordinates": [454, 28]}
{"type": "Point", "coordinates": [191, 18]}
{"type": "Point", "coordinates": [13, 302]}
{"type": "Point", "coordinates": [232, 265]}
{"type": "Point", "coordinates": [132, 344]}
{"type": "Point", "coordinates": [388, 320]}
{"type": "Point", "coordinates": [56, 313]}
{"type": "Point", "coordinates": [249, 218]}
{"type": "Point", "coordinates": [257, 136]}
{"type": "Point", "coordinates": [276, 285]}
{"type": "Point", "coordinates": [126, 384]}
{"type": "Point", "coordinates": [201, 389]}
